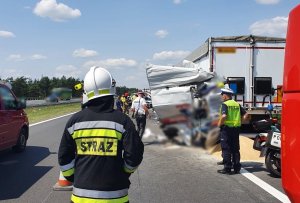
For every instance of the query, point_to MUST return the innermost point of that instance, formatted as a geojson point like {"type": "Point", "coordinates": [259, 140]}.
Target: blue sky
{"type": "Point", "coordinates": [65, 37]}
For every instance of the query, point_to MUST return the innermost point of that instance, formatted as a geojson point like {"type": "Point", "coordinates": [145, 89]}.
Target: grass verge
{"type": "Point", "coordinates": [41, 113]}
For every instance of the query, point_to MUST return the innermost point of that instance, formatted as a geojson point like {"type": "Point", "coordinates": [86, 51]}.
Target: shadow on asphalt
{"type": "Point", "coordinates": [252, 166]}
{"type": "Point", "coordinates": [18, 171]}
{"type": "Point", "coordinates": [152, 143]}
{"type": "Point", "coordinates": [272, 176]}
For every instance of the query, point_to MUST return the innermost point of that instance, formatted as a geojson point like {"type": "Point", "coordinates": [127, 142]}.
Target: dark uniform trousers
{"type": "Point", "coordinates": [230, 145]}
{"type": "Point", "coordinates": [141, 124]}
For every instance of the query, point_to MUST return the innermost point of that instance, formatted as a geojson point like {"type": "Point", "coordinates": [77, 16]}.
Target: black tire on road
{"type": "Point", "coordinates": [22, 141]}
{"type": "Point", "coordinates": [273, 164]}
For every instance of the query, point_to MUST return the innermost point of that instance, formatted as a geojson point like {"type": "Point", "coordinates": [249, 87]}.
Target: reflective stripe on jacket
{"type": "Point", "coordinates": [92, 196]}
{"type": "Point", "coordinates": [98, 152]}
{"type": "Point", "coordinates": [233, 115]}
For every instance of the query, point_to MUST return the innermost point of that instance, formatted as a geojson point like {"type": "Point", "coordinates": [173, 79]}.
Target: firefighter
{"type": "Point", "coordinates": [124, 103]}
{"type": "Point", "coordinates": [100, 147]}
{"type": "Point", "coordinates": [230, 122]}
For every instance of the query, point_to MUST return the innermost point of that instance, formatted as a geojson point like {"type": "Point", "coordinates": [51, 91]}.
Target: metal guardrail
{"type": "Point", "coordinates": [34, 103]}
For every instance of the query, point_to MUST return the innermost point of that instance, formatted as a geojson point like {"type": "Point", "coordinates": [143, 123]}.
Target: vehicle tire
{"type": "Point", "coordinates": [22, 141]}
{"type": "Point", "coordinates": [273, 164]}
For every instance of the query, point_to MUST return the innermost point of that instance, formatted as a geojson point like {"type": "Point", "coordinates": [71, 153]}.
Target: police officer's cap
{"type": "Point", "coordinates": [227, 91]}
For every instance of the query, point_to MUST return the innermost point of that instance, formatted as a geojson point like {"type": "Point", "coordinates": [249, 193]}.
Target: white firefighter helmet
{"type": "Point", "coordinates": [84, 99]}
{"type": "Point", "coordinates": [98, 82]}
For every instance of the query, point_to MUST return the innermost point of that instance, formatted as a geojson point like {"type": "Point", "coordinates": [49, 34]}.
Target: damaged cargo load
{"type": "Point", "coordinates": [185, 101]}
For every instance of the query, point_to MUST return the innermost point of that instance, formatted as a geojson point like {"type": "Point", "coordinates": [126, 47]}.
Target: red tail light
{"type": "Point", "coordinates": [274, 120]}
{"type": "Point", "coordinates": [263, 138]}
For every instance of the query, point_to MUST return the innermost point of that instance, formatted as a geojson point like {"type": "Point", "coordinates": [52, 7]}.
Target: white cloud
{"type": "Point", "coordinates": [68, 71]}
{"type": "Point", "coordinates": [270, 27]}
{"type": "Point", "coordinates": [177, 1]}
{"type": "Point", "coordinates": [37, 57]}
{"type": "Point", "coordinates": [6, 34]}
{"type": "Point", "coordinates": [15, 57]}
{"type": "Point", "coordinates": [84, 53]}
{"type": "Point", "coordinates": [18, 57]}
{"type": "Point", "coordinates": [112, 63]}
{"type": "Point", "coordinates": [267, 1]}
{"type": "Point", "coordinates": [161, 33]}
{"type": "Point", "coordinates": [55, 11]}
{"type": "Point", "coordinates": [170, 55]}
{"type": "Point", "coordinates": [120, 62]}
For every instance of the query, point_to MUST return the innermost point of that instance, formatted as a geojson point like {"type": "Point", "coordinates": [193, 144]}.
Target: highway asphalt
{"type": "Point", "coordinates": [168, 173]}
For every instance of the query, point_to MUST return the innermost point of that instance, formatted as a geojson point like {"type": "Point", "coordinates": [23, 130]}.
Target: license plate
{"type": "Point", "coordinates": [276, 139]}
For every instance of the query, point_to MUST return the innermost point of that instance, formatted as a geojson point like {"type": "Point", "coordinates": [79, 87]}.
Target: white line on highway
{"type": "Point", "coordinates": [265, 186]}
{"type": "Point", "coordinates": [51, 119]}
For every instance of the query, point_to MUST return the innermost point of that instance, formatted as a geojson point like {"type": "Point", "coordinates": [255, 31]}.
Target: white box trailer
{"type": "Point", "coordinates": [251, 65]}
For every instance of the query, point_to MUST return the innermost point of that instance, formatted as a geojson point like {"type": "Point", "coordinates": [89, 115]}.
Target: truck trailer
{"type": "Point", "coordinates": [251, 65]}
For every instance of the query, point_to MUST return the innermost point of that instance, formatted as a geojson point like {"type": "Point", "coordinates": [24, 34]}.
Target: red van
{"type": "Point", "coordinates": [14, 126]}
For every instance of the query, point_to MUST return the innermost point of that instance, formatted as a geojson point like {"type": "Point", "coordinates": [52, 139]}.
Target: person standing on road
{"type": "Point", "coordinates": [134, 96]}
{"type": "Point", "coordinates": [139, 108]}
{"type": "Point", "coordinates": [100, 146]}
{"type": "Point", "coordinates": [230, 122]}
{"type": "Point", "coordinates": [123, 102]}
{"type": "Point", "coordinates": [119, 104]}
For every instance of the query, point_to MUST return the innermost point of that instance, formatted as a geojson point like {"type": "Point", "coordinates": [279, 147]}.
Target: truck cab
{"type": "Point", "coordinates": [14, 124]}
{"type": "Point", "coordinates": [290, 138]}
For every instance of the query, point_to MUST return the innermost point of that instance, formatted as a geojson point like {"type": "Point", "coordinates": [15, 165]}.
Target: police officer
{"type": "Point", "coordinates": [100, 147]}
{"type": "Point", "coordinates": [139, 107]}
{"type": "Point", "coordinates": [230, 123]}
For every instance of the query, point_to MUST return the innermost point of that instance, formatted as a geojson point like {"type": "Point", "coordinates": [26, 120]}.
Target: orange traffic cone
{"type": "Point", "coordinates": [63, 184]}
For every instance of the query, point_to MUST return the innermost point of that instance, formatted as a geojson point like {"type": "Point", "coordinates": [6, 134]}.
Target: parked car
{"type": "Point", "coordinates": [14, 125]}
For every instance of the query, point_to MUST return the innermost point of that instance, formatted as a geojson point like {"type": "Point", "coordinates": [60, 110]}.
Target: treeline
{"type": "Point", "coordinates": [41, 88]}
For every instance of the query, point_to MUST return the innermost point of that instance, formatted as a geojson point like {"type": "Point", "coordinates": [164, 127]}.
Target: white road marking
{"type": "Point", "coordinates": [51, 119]}
{"type": "Point", "coordinates": [265, 186]}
